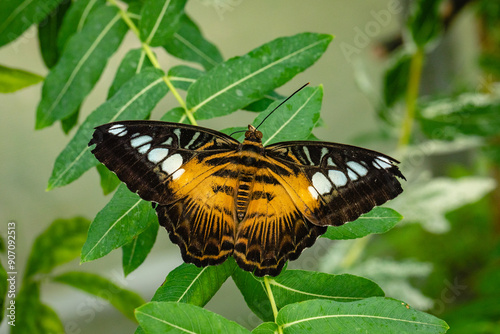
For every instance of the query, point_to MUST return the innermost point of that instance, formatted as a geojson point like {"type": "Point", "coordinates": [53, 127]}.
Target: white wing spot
{"type": "Point", "coordinates": [139, 141]}
{"type": "Point", "coordinates": [178, 174]}
{"type": "Point", "coordinates": [337, 177]}
{"type": "Point", "coordinates": [144, 148]}
{"type": "Point", "coordinates": [330, 163]}
{"type": "Point", "coordinates": [308, 156]}
{"type": "Point", "coordinates": [158, 154]}
{"type": "Point", "coordinates": [177, 132]}
{"type": "Point", "coordinates": [321, 183]}
{"type": "Point", "coordinates": [168, 141]}
{"type": "Point", "coordinates": [358, 168]}
{"type": "Point", "coordinates": [351, 175]}
{"type": "Point", "coordinates": [118, 130]}
{"type": "Point", "coordinates": [172, 164]}
{"type": "Point", "coordinates": [383, 162]}
{"type": "Point", "coordinates": [313, 192]}
{"type": "Point", "coordinates": [196, 135]}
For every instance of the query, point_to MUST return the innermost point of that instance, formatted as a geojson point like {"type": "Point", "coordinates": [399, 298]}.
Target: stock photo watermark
{"type": "Point", "coordinates": [11, 273]}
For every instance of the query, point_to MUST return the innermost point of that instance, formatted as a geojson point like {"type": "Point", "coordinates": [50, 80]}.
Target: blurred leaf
{"type": "Point", "coordinates": [183, 76]}
{"type": "Point", "coordinates": [17, 16]}
{"type": "Point", "coordinates": [134, 100]}
{"type": "Point", "coordinates": [136, 251]}
{"type": "Point", "coordinates": [293, 286]}
{"type": "Point", "coordinates": [468, 114]}
{"type": "Point", "coordinates": [378, 220]}
{"type": "Point", "coordinates": [75, 19]}
{"type": "Point", "coordinates": [80, 66]}
{"type": "Point", "coordinates": [124, 217]}
{"type": "Point", "coordinates": [135, 61]}
{"type": "Point", "coordinates": [48, 30]}
{"type": "Point", "coordinates": [240, 81]}
{"type": "Point", "coordinates": [71, 121]}
{"type": "Point", "coordinates": [295, 119]}
{"type": "Point", "coordinates": [61, 242]}
{"type": "Point", "coordinates": [395, 82]}
{"type": "Point", "coordinates": [425, 24]}
{"type": "Point", "coordinates": [109, 180]}
{"type": "Point", "coordinates": [31, 316]}
{"type": "Point", "coordinates": [12, 79]}
{"type": "Point", "coordinates": [160, 20]}
{"type": "Point", "coordinates": [123, 300]}
{"type": "Point", "coordinates": [162, 317]}
{"type": "Point", "coordinates": [373, 315]}
{"type": "Point", "coordinates": [427, 202]}
{"type": "Point", "coordinates": [189, 44]}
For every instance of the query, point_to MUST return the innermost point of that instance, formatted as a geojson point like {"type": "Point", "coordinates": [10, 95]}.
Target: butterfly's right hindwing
{"type": "Point", "coordinates": [151, 157]}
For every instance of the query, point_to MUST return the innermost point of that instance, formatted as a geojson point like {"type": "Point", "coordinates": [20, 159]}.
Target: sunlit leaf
{"type": "Point", "coordinates": [12, 79]}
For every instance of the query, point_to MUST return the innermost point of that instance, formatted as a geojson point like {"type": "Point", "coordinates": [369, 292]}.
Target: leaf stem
{"type": "Point", "coordinates": [271, 300]}
{"type": "Point", "coordinates": [411, 96]}
{"type": "Point", "coordinates": [355, 251]}
{"type": "Point", "coordinates": [127, 19]}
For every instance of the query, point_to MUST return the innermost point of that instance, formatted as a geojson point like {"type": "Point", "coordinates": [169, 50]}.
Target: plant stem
{"type": "Point", "coordinates": [271, 300]}
{"type": "Point", "coordinates": [355, 251]}
{"type": "Point", "coordinates": [126, 18]}
{"type": "Point", "coordinates": [411, 96]}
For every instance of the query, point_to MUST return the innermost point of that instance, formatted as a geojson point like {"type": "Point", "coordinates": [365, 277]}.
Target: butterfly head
{"type": "Point", "coordinates": [253, 134]}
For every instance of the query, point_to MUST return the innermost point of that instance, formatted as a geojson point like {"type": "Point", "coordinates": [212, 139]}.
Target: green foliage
{"type": "Point", "coordinates": [12, 79]}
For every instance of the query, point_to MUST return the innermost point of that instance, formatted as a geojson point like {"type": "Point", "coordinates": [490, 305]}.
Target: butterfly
{"type": "Point", "coordinates": [218, 197]}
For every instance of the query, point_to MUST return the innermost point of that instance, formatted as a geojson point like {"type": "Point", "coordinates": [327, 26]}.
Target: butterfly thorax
{"type": "Point", "coordinates": [251, 151]}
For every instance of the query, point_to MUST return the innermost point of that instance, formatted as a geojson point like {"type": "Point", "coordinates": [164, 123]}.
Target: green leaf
{"type": "Point", "coordinates": [70, 122]}
{"type": "Point", "coordinates": [134, 100]}
{"type": "Point", "coordinates": [294, 120]}
{"type": "Point", "coordinates": [265, 102]}
{"type": "Point", "coordinates": [425, 24]}
{"type": "Point", "coordinates": [371, 315]}
{"type": "Point", "coordinates": [31, 316]}
{"type": "Point", "coordinates": [266, 328]}
{"type": "Point", "coordinates": [109, 180]}
{"type": "Point", "coordinates": [176, 115]}
{"type": "Point", "coordinates": [123, 300]}
{"type": "Point", "coordinates": [135, 61]}
{"type": "Point", "coordinates": [190, 284]}
{"type": "Point", "coordinates": [75, 19]}
{"type": "Point", "coordinates": [293, 286]}
{"type": "Point", "coordinates": [48, 30]}
{"type": "Point", "coordinates": [162, 317]}
{"type": "Point", "coordinates": [124, 217]}
{"type": "Point", "coordinates": [427, 202]}
{"type": "Point", "coordinates": [17, 16]}
{"type": "Point", "coordinates": [12, 79]}
{"type": "Point", "coordinates": [80, 66]}
{"type": "Point", "coordinates": [395, 83]}
{"type": "Point", "coordinates": [3, 290]}
{"type": "Point", "coordinates": [240, 81]}
{"type": "Point", "coordinates": [183, 76]}
{"type": "Point", "coordinates": [189, 44]}
{"type": "Point", "coordinates": [61, 242]}
{"type": "Point", "coordinates": [160, 20]}
{"type": "Point", "coordinates": [468, 114]}
{"type": "Point", "coordinates": [378, 220]}
{"type": "Point", "coordinates": [136, 251]}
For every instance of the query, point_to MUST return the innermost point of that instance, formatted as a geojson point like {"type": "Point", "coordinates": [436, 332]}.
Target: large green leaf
{"type": "Point", "coordinates": [189, 44]}
{"type": "Point", "coordinates": [371, 315]}
{"type": "Point", "coordinates": [61, 242]}
{"type": "Point", "coordinates": [75, 19]}
{"type": "Point", "coordinates": [293, 286]}
{"type": "Point", "coordinates": [241, 80]}
{"type": "Point", "coordinates": [183, 76]}
{"type": "Point", "coordinates": [134, 253]}
{"type": "Point", "coordinates": [160, 20]}
{"type": "Point", "coordinates": [378, 220]}
{"type": "Point", "coordinates": [80, 66]}
{"type": "Point", "coordinates": [469, 114]}
{"type": "Point", "coordinates": [17, 16]}
{"type": "Point", "coordinates": [163, 317]}
{"type": "Point", "coordinates": [124, 217]}
{"type": "Point", "coordinates": [48, 30]}
{"type": "Point", "coordinates": [134, 100]}
{"type": "Point", "coordinates": [12, 79]}
{"type": "Point", "coordinates": [123, 300]}
{"type": "Point", "coordinates": [424, 23]}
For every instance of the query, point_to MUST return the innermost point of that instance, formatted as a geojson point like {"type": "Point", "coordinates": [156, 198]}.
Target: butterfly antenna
{"type": "Point", "coordinates": [288, 98]}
